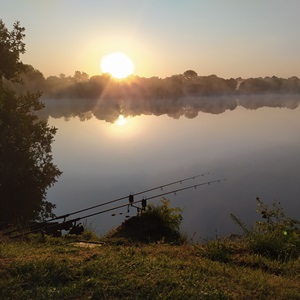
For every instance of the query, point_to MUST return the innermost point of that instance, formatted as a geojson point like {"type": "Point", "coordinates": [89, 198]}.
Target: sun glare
{"type": "Point", "coordinates": [121, 120]}
{"type": "Point", "coordinates": [117, 64]}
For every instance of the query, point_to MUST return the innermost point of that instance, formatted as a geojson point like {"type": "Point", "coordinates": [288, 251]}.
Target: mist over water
{"type": "Point", "coordinates": [251, 141]}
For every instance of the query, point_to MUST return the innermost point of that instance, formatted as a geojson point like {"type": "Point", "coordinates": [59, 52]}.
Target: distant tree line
{"type": "Point", "coordinates": [183, 85]}
{"type": "Point", "coordinates": [179, 95]}
{"type": "Point", "coordinates": [270, 85]}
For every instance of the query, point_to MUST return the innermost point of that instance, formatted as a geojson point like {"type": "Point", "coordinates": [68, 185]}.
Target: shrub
{"type": "Point", "coordinates": [276, 237]}
{"type": "Point", "coordinates": [156, 223]}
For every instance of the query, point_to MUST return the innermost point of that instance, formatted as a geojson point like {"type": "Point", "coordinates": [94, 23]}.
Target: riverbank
{"type": "Point", "coordinates": [69, 268]}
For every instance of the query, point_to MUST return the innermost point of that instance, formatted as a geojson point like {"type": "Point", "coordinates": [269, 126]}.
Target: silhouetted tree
{"type": "Point", "coordinates": [31, 80]}
{"type": "Point", "coordinates": [292, 85]}
{"type": "Point", "coordinates": [190, 74]}
{"type": "Point", "coordinates": [11, 46]}
{"type": "Point", "coordinates": [26, 167]}
{"type": "Point", "coordinates": [80, 76]}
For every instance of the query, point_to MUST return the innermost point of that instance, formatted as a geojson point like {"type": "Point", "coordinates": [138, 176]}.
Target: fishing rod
{"type": "Point", "coordinates": [156, 196]}
{"type": "Point", "coordinates": [144, 201]}
{"type": "Point", "coordinates": [112, 201]}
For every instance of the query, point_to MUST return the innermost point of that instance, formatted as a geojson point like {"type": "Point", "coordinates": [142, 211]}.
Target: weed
{"type": "Point", "coordinates": [216, 250]}
{"type": "Point", "coordinates": [276, 237]}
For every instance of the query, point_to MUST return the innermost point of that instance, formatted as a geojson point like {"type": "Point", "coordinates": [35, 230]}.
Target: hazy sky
{"type": "Point", "coordinates": [229, 38]}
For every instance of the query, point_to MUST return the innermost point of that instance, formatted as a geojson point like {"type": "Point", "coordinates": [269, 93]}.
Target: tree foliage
{"type": "Point", "coordinates": [26, 167]}
{"type": "Point", "coordinates": [189, 74]}
{"type": "Point", "coordinates": [11, 46]}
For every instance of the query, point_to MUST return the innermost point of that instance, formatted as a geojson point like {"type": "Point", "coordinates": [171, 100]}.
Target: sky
{"type": "Point", "coordinates": [228, 38]}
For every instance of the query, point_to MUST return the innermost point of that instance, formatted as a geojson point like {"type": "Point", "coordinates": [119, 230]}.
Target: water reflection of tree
{"type": "Point", "coordinates": [184, 94]}
{"type": "Point", "coordinates": [189, 107]}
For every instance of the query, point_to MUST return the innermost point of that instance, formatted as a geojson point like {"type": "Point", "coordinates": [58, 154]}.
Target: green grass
{"type": "Point", "coordinates": [61, 268]}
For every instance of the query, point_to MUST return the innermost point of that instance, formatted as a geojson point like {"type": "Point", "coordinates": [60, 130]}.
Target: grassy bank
{"type": "Point", "coordinates": [62, 268]}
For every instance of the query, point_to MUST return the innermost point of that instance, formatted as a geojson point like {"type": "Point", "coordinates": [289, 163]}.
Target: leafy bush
{"type": "Point", "coordinates": [156, 223]}
{"type": "Point", "coordinates": [277, 236]}
{"type": "Point", "coordinates": [171, 217]}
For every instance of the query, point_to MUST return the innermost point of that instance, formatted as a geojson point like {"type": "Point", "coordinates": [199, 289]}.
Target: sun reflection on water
{"type": "Point", "coordinates": [121, 121]}
{"type": "Point", "coordinates": [124, 127]}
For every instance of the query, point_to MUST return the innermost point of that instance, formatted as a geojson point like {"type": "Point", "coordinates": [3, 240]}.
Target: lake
{"type": "Point", "coordinates": [109, 152]}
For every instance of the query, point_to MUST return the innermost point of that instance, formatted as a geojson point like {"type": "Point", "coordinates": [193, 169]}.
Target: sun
{"type": "Point", "coordinates": [117, 64]}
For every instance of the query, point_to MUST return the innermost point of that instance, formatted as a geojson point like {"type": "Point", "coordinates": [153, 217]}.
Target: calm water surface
{"type": "Point", "coordinates": [256, 150]}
